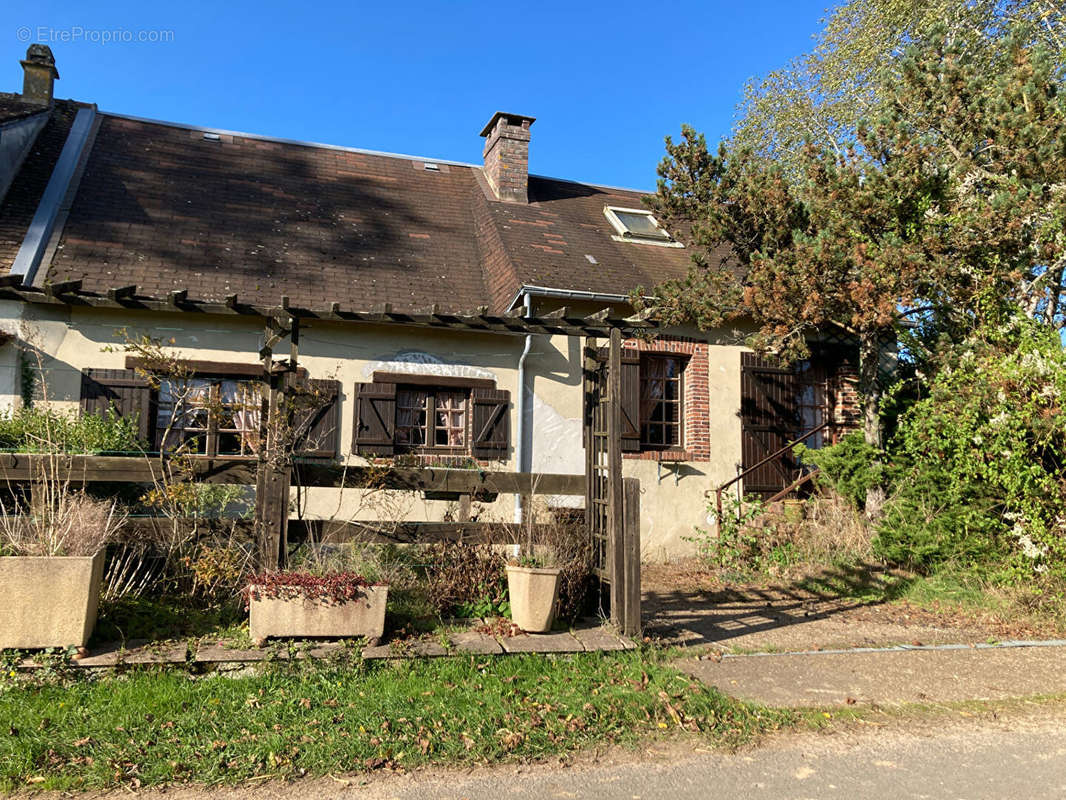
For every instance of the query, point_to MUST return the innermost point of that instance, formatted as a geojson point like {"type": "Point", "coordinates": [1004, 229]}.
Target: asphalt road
{"type": "Point", "coordinates": [946, 756]}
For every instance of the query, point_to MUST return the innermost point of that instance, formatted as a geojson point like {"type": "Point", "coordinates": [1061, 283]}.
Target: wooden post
{"type": "Point", "coordinates": [631, 625]}
{"type": "Point", "coordinates": [271, 485]}
{"type": "Point", "coordinates": [615, 519]}
{"type": "Point", "coordinates": [274, 470]}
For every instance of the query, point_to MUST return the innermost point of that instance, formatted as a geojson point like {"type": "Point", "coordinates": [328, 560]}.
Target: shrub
{"type": "Point", "coordinates": [976, 469]}
{"type": "Point", "coordinates": [464, 580]}
{"type": "Point", "coordinates": [43, 429]}
{"type": "Point", "coordinates": [332, 587]}
{"type": "Point", "coordinates": [850, 466]}
{"type": "Point", "coordinates": [57, 521]}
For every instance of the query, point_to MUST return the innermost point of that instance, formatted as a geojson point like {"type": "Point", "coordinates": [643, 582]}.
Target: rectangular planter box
{"type": "Point", "coordinates": [300, 617]}
{"type": "Point", "coordinates": [49, 601]}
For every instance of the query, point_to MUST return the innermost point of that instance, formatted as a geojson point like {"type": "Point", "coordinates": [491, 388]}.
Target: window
{"type": "Point", "coordinates": [208, 416]}
{"type": "Point", "coordinates": [431, 419]}
{"type": "Point", "coordinates": [660, 402]}
{"type": "Point", "coordinates": [215, 412]}
{"type": "Point", "coordinates": [637, 225]}
{"type": "Point", "coordinates": [431, 415]}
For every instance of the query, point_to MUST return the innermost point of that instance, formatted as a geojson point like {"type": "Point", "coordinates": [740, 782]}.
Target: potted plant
{"type": "Point", "coordinates": [51, 565]}
{"type": "Point", "coordinates": [304, 604]}
{"type": "Point", "coordinates": [533, 587]}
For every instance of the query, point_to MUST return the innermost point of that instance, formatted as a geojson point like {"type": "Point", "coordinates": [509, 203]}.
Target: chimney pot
{"type": "Point", "coordinates": [507, 156]}
{"type": "Point", "coordinates": [39, 74]}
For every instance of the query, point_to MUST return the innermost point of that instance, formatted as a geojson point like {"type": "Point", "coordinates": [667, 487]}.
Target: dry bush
{"type": "Point", "coordinates": [56, 520]}
{"type": "Point", "coordinates": [464, 579]}
{"type": "Point", "coordinates": [832, 529]}
{"type": "Point", "coordinates": [566, 536]}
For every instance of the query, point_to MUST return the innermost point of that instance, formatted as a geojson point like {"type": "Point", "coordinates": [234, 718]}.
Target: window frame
{"type": "Point", "coordinates": [624, 234]}
{"type": "Point", "coordinates": [487, 424]}
{"type": "Point", "coordinates": [212, 407]}
{"type": "Point", "coordinates": [431, 409]}
{"type": "Point", "coordinates": [679, 424]}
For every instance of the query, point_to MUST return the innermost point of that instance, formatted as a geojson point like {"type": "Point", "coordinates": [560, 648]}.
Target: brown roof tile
{"type": "Point", "coordinates": [165, 208]}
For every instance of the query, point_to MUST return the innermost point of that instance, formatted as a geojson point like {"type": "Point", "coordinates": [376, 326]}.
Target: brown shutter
{"type": "Point", "coordinates": [318, 429]}
{"type": "Point", "coordinates": [630, 401]}
{"type": "Point", "coordinates": [375, 419]}
{"type": "Point", "coordinates": [768, 421]}
{"type": "Point", "coordinates": [491, 422]}
{"type": "Point", "coordinates": [123, 390]}
{"type": "Point", "coordinates": [630, 397]}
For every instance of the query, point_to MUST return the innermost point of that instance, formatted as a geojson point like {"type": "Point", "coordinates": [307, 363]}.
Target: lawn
{"type": "Point", "coordinates": [293, 719]}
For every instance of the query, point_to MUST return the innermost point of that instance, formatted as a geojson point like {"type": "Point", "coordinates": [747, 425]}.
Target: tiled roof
{"type": "Point", "coordinates": [167, 208]}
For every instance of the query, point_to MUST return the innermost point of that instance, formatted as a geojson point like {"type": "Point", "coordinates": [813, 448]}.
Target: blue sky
{"type": "Point", "coordinates": [606, 81]}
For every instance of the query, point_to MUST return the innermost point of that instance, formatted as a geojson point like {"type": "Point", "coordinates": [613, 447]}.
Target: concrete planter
{"type": "Point", "coordinates": [302, 617]}
{"type": "Point", "coordinates": [533, 593]}
{"type": "Point", "coordinates": [49, 601]}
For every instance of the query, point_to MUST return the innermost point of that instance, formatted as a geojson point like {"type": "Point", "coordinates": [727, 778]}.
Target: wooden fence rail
{"type": "Point", "coordinates": [24, 467]}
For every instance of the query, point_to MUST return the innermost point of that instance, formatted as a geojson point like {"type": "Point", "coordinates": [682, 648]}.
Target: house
{"type": "Point", "coordinates": [125, 209]}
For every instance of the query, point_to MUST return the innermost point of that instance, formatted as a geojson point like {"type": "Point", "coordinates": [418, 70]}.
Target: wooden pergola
{"type": "Point", "coordinates": [612, 506]}
{"type": "Point", "coordinates": [558, 323]}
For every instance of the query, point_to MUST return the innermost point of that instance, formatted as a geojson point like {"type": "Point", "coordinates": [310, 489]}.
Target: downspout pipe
{"type": "Point", "coordinates": [521, 455]}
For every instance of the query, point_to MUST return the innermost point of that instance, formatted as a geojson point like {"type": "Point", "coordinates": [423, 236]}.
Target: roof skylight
{"type": "Point", "coordinates": [637, 225]}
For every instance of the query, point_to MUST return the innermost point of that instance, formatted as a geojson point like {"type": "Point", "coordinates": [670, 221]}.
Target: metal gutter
{"type": "Point", "coordinates": [37, 236]}
{"type": "Point", "coordinates": [520, 454]}
{"type": "Point", "coordinates": [566, 294]}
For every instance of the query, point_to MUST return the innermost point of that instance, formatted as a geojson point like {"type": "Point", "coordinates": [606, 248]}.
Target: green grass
{"type": "Point", "coordinates": [152, 727]}
{"type": "Point", "coordinates": [955, 588]}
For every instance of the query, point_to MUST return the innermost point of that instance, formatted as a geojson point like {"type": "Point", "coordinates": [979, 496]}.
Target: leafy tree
{"type": "Point", "coordinates": [823, 95]}
{"type": "Point", "coordinates": [948, 207]}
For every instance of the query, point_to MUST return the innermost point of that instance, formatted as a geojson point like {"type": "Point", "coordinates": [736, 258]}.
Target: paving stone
{"type": "Point", "coordinates": [105, 655]}
{"type": "Point", "coordinates": [377, 651]}
{"type": "Point", "coordinates": [542, 643]}
{"type": "Point", "coordinates": [157, 654]}
{"type": "Point", "coordinates": [599, 638]}
{"type": "Point", "coordinates": [474, 642]}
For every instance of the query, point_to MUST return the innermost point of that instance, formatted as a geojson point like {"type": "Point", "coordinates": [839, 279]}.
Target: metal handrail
{"type": "Point", "coordinates": [740, 475]}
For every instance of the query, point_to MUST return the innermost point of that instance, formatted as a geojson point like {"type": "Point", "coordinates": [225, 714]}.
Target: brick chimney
{"type": "Point", "coordinates": [507, 156]}
{"type": "Point", "coordinates": [39, 74]}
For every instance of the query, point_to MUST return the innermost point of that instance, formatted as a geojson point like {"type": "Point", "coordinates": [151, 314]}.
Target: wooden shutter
{"type": "Point", "coordinates": [630, 397]}
{"type": "Point", "coordinates": [123, 390]}
{"type": "Point", "coordinates": [768, 422]}
{"type": "Point", "coordinates": [375, 419]}
{"type": "Point", "coordinates": [318, 429]}
{"type": "Point", "coordinates": [491, 422]}
{"type": "Point", "coordinates": [630, 401]}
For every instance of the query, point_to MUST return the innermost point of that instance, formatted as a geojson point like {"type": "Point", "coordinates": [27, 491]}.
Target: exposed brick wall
{"type": "Point", "coordinates": [844, 400]}
{"type": "Point", "coordinates": [507, 158]}
{"type": "Point", "coordinates": [695, 402]}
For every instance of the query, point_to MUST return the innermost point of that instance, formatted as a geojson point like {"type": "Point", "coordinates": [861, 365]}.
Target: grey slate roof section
{"type": "Point", "coordinates": [40, 231]}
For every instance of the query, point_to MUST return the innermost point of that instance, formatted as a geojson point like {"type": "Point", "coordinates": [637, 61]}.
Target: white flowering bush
{"type": "Point", "coordinates": [978, 467]}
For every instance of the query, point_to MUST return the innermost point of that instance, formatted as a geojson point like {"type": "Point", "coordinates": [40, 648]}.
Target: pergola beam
{"type": "Point", "coordinates": [71, 294]}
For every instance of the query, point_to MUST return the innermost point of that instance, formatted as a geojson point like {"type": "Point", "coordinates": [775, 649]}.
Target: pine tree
{"type": "Point", "coordinates": [948, 207]}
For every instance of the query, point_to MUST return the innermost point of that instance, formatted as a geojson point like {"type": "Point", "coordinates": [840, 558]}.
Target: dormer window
{"type": "Point", "coordinates": [637, 225]}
